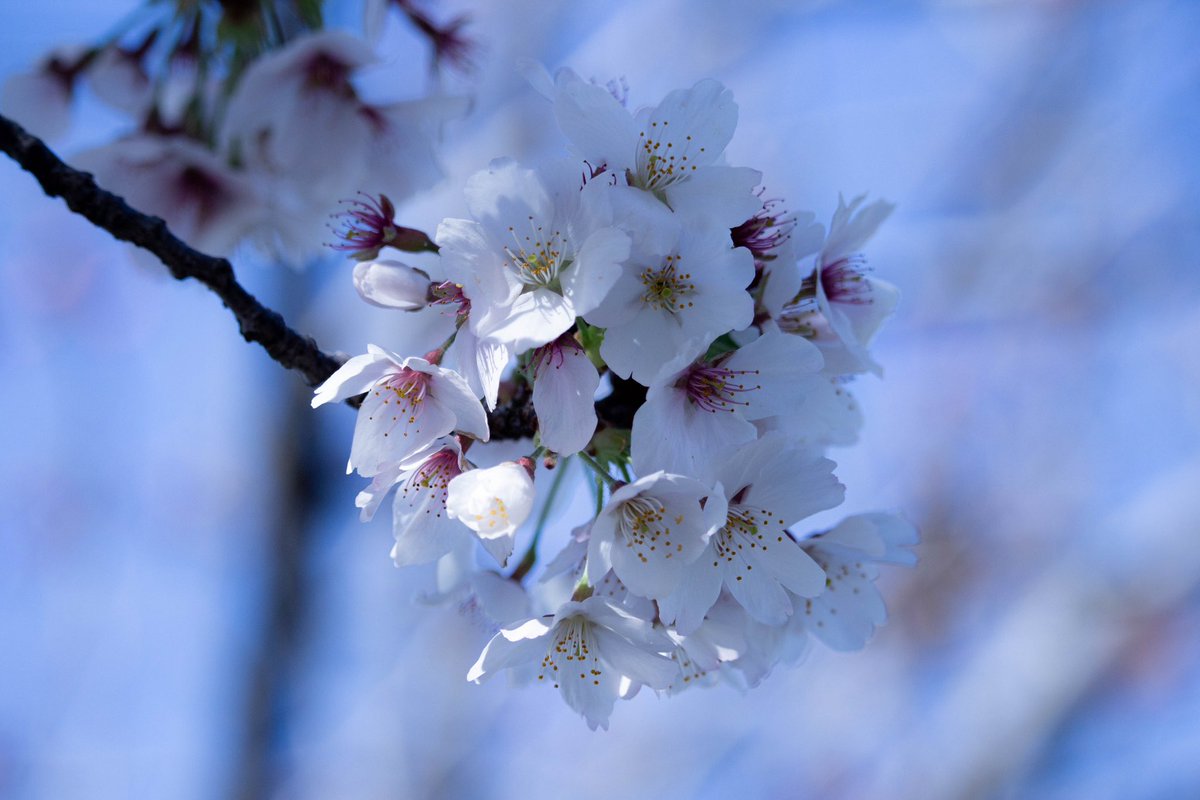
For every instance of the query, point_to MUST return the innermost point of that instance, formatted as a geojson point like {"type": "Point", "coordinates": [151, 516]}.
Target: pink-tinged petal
{"type": "Point", "coordinates": [599, 128]}
{"type": "Point", "coordinates": [354, 377]}
{"type": "Point", "coordinates": [563, 397]}
{"type": "Point", "coordinates": [510, 648]}
{"type": "Point", "coordinates": [388, 430]}
{"type": "Point", "coordinates": [597, 266]}
{"type": "Point", "coordinates": [719, 197]}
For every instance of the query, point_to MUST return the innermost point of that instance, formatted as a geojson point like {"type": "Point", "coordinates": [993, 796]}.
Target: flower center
{"type": "Point", "coordinates": [538, 256]}
{"type": "Point", "coordinates": [571, 651]}
{"type": "Point", "coordinates": [668, 288]}
{"type": "Point", "coordinates": [403, 393]}
{"type": "Point", "coordinates": [663, 158]}
{"type": "Point", "coordinates": [713, 388]}
{"type": "Point", "coordinates": [844, 281]}
{"type": "Point", "coordinates": [435, 474]}
{"type": "Point", "coordinates": [645, 527]}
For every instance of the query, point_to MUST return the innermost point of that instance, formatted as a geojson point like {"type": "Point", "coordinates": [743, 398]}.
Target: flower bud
{"type": "Point", "coordinates": [390, 284]}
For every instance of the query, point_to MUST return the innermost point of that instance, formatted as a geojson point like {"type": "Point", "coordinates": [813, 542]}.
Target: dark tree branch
{"type": "Point", "coordinates": [256, 322]}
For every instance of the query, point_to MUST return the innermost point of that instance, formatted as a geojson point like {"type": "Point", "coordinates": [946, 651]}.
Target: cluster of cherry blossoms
{"type": "Point", "coordinates": [645, 279]}
{"type": "Point", "coordinates": [233, 111]}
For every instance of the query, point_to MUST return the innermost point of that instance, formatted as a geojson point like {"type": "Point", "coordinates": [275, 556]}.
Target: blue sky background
{"type": "Point", "coordinates": [1039, 420]}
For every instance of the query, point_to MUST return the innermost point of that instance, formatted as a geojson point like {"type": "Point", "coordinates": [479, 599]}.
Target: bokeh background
{"type": "Point", "coordinates": [189, 607]}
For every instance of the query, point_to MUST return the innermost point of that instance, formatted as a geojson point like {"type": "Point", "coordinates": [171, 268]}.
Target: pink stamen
{"type": "Point", "coordinates": [844, 281]}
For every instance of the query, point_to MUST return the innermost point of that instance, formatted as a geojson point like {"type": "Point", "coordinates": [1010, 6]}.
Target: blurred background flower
{"type": "Point", "coordinates": [192, 609]}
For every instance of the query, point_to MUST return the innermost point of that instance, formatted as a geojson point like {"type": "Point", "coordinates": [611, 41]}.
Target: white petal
{"type": "Point", "coordinates": [783, 364]}
{"type": "Point", "coordinates": [671, 433]}
{"type": "Point", "coordinates": [493, 502]}
{"type": "Point", "coordinates": [510, 648]}
{"type": "Point", "coordinates": [535, 318]}
{"type": "Point", "coordinates": [563, 396]}
{"type": "Point", "coordinates": [638, 663]}
{"type": "Point", "coordinates": [600, 129]}
{"type": "Point", "coordinates": [697, 592]}
{"type": "Point", "coordinates": [354, 377]}
{"type": "Point", "coordinates": [596, 268]}
{"type": "Point", "coordinates": [851, 228]}
{"type": "Point", "coordinates": [698, 121]}
{"type": "Point", "coordinates": [452, 392]}
{"type": "Point", "coordinates": [716, 196]}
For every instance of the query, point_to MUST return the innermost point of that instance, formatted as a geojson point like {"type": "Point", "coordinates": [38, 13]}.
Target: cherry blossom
{"type": "Point", "coordinates": [409, 403]}
{"type": "Point", "coordinates": [585, 650]}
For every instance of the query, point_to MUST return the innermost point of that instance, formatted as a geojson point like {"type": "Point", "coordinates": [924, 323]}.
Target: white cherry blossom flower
{"type": "Point", "coordinates": [586, 650]}
{"type": "Point", "coordinates": [421, 524]}
{"type": "Point", "coordinates": [670, 151]}
{"type": "Point", "coordinates": [672, 301]}
{"type": "Point", "coordinates": [770, 484]}
{"type": "Point", "coordinates": [564, 389]}
{"type": "Point", "coordinates": [493, 503]}
{"type": "Point", "coordinates": [841, 306]}
{"type": "Point", "coordinates": [409, 404]}
{"type": "Point", "coordinates": [538, 253]}
{"type": "Point", "coordinates": [695, 416]}
{"type": "Point", "coordinates": [845, 615]}
{"type": "Point", "coordinates": [651, 529]}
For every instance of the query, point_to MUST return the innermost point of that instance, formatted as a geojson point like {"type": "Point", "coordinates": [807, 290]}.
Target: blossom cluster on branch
{"type": "Point", "coordinates": [234, 109]}
{"type": "Point", "coordinates": [642, 259]}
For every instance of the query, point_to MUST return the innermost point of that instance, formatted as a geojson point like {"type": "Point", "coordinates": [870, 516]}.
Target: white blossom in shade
{"type": "Point", "coordinates": [851, 305]}
{"type": "Point", "coordinates": [295, 113]}
{"type": "Point", "coordinates": [119, 79]}
{"type": "Point", "coordinates": [651, 529]}
{"type": "Point", "coordinates": [391, 284]}
{"type": "Point", "coordinates": [493, 503]}
{"type": "Point", "coordinates": [538, 253]}
{"type": "Point", "coordinates": [766, 646]}
{"type": "Point", "coordinates": [846, 614]}
{"type": "Point", "coordinates": [670, 151]}
{"type": "Point", "coordinates": [695, 416]}
{"type": "Point", "coordinates": [720, 639]}
{"type": "Point", "coordinates": [770, 484]}
{"type": "Point", "coordinates": [40, 100]}
{"type": "Point", "coordinates": [409, 403]}
{"type": "Point", "coordinates": [205, 202]}
{"type": "Point", "coordinates": [670, 303]}
{"type": "Point", "coordinates": [400, 156]}
{"type": "Point", "coordinates": [484, 595]}
{"type": "Point", "coordinates": [564, 391]}
{"type": "Point", "coordinates": [586, 650]}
